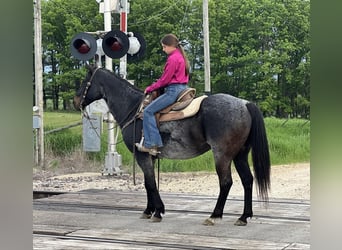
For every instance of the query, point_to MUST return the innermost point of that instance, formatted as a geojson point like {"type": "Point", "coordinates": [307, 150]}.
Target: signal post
{"type": "Point", "coordinates": [113, 160]}
{"type": "Point", "coordinates": [115, 44]}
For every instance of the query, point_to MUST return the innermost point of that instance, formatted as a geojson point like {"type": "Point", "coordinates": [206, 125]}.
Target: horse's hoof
{"type": "Point", "coordinates": [240, 223]}
{"type": "Point", "coordinates": [156, 219]}
{"type": "Point", "coordinates": [145, 216]}
{"type": "Point", "coordinates": [209, 222]}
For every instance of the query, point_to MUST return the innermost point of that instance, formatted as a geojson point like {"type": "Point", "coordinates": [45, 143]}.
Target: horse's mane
{"type": "Point", "coordinates": [129, 85]}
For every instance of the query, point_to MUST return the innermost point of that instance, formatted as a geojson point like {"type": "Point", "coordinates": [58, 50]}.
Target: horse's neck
{"type": "Point", "coordinates": [121, 98]}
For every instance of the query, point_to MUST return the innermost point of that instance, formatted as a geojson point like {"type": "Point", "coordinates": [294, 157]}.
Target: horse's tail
{"type": "Point", "coordinates": [260, 151]}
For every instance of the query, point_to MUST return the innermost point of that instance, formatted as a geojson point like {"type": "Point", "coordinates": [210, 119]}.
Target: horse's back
{"type": "Point", "coordinates": [222, 119]}
{"type": "Point", "coordinates": [225, 116]}
{"type": "Point", "coordinates": [226, 99]}
{"type": "Point", "coordinates": [225, 106]}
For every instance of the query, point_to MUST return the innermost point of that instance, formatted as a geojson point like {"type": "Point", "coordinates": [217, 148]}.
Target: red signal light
{"type": "Point", "coordinates": [82, 46]}
{"type": "Point", "coordinates": [83, 49]}
{"type": "Point", "coordinates": [116, 46]}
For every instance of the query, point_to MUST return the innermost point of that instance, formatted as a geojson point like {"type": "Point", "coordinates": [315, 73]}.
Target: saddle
{"type": "Point", "coordinates": [185, 106]}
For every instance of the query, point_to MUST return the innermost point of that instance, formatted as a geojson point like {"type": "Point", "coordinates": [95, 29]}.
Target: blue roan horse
{"type": "Point", "coordinates": [227, 125]}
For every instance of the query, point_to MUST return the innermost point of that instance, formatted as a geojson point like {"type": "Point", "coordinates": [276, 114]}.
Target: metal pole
{"type": "Point", "coordinates": [123, 28]}
{"type": "Point", "coordinates": [113, 159]}
{"type": "Point", "coordinates": [107, 16]}
{"type": "Point", "coordinates": [39, 79]}
{"type": "Point", "coordinates": [207, 88]}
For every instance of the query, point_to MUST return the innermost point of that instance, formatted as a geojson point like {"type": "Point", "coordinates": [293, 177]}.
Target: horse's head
{"type": "Point", "coordinates": [89, 90]}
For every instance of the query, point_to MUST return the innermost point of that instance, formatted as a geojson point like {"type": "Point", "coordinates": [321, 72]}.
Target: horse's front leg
{"type": "Point", "coordinates": [155, 206]}
{"type": "Point", "coordinates": [147, 214]}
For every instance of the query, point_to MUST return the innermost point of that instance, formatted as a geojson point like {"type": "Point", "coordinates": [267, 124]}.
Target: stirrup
{"type": "Point", "coordinates": [151, 151]}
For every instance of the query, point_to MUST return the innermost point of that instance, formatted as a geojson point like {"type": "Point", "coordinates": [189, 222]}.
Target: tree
{"type": "Point", "coordinates": [260, 49]}
{"type": "Point", "coordinates": [153, 19]}
{"type": "Point", "coordinates": [61, 20]}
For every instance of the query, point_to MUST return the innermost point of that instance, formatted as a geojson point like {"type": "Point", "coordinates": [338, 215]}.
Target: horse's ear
{"type": "Point", "coordinates": [91, 67]}
{"type": "Point", "coordinates": [96, 65]}
{"type": "Point", "coordinates": [88, 66]}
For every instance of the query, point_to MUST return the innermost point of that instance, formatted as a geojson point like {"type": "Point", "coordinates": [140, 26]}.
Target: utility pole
{"type": "Point", "coordinates": [207, 88]}
{"type": "Point", "coordinates": [38, 75]}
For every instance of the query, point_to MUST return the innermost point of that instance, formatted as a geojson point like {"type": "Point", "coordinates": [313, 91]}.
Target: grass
{"type": "Point", "coordinates": [65, 141]}
{"type": "Point", "coordinates": [289, 142]}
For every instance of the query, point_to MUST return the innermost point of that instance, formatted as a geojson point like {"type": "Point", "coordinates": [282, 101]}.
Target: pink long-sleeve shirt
{"type": "Point", "coordinates": [174, 72]}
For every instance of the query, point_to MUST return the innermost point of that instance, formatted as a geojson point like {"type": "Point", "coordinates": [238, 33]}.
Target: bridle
{"type": "Point", "coordinates": [134, 109]}
{"type": "Point", "coordinates": [87, 87]}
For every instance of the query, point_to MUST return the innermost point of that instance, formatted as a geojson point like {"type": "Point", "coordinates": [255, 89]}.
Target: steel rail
{"type": "Point", "coordinates": [63, 206]}
{"type": "Point", "coordinates": [128, 242]}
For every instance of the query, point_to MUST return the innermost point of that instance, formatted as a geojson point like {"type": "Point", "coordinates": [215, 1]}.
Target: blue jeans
{"type": "Point", "coordinates": [151, 131]}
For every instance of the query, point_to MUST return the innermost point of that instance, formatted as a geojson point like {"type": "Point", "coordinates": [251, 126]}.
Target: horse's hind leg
{"type": "Point", "coordinates": [243, 169]}
{"type": "Point", "coordinates": [223, 169]}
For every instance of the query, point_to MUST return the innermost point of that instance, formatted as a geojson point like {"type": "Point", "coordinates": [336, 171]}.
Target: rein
{"type": "Point", "coordinates": [137, 110]}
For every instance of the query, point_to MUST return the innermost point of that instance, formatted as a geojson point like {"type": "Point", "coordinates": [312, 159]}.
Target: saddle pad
{"type": "Point", "coordinates": [190, 110]}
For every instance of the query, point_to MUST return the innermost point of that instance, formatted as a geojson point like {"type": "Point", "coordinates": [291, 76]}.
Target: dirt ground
{"type": "Point", "coordinates": [287, 181]}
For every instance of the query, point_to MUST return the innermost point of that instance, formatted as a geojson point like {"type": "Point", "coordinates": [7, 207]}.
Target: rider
{"type": "Point", "coordinates": [174, 80]}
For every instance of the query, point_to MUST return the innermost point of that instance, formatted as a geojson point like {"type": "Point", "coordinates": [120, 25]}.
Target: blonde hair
{"type": "Point", "coordinates": [172, 40]}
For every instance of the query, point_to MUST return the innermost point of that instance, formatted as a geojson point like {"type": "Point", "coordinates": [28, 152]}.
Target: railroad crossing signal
{"type": "Point", "coordinates": [83, 46]}
{"type": "Point", "coordinates": [115, 44]}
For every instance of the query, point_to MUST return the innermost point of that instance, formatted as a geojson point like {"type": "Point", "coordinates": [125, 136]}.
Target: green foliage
{"type": "Point", "coordinates": [259, 49]}
{"type": "Point", "coordinates": [263, 46]}
{"type": "Point", "coordinates": [203, 162]}
{"type": "Point", "coordinates": [289, 142]}
{"type": "Point", "coordinates": [61, 20]}
{"type": "Point", "coordinates": [63, 142]}
{"type": "Point", "coordinates": [53, 120]}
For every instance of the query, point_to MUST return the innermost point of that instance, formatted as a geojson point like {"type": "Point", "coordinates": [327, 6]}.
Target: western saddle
{"type": "Point", "coordinates": [186, 105]}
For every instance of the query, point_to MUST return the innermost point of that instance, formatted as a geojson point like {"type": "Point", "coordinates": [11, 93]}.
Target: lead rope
{"type": "Point", "coordinates": [134, 128]}
{"type": "Point", "coordinates": [158, 166]}
{"type": "Point", "coordinates": [134, 152]}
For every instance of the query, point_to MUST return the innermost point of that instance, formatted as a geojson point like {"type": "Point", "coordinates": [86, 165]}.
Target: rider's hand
{"type": "Point", "coordinates": [148, 90]}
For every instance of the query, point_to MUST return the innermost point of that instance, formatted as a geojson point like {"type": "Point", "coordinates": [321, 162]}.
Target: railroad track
{"type": "Point", "coordinates": [84, 207]}
{"type": "Point", "coordinates": [65, 212]}
{"type": "Point", "coordinates": [44, 194]}
{"type": "Point", "coordinates": [140, 243]}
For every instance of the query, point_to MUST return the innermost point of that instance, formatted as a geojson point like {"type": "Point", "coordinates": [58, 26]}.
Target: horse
{"type": "Point", "coordinates": [229, 126]}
